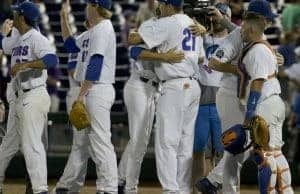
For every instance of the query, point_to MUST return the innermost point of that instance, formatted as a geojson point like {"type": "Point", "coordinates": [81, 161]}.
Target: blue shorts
{"type": "Point", "coordinates": [296, 109]}
{"type": "Point", "coordinates": [208, 125]}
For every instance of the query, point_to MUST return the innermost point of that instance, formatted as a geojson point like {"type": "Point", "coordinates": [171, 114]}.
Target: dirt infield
{"type": "Point", "coordinates": [18, 187]}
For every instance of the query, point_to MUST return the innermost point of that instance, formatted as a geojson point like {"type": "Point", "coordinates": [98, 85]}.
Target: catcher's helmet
{"type": "Point", "coordinates": [234, 140]}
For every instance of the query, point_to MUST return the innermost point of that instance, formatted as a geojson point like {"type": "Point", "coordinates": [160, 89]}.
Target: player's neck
{"type": "Point", "coordinates": [24, 29]}
{"type": "Point", "coordinates": [220, 34]}
{"type": "Point", "coordinates": [256, 38]}
{"type": "Point", "coordinates": [95, 21]}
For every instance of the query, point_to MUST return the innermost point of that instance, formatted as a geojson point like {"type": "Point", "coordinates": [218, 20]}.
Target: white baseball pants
{"type": "Point", "coordinates": [176, 114]}
{"type": "Point", "coordinates": [231, 112]}
{"type": "Point", "coordinates": [32, 109]}
{"type": "Point", "coordinates": [75, 170]}
{"type": "Point", "coordinates": [139, 99]}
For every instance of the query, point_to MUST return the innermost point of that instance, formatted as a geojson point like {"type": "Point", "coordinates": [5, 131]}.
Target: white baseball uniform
{"type": "Point", "coordinates": [139, 96]}
{"type": "Point", "coordinates": [227, 101]}
{"type": "Point", "coordinates": [11, 141]}
{"type": "Point", "coordinates": [101, 39]}
{"type": "Point", "coordinates": [75, 170]}
{"type": "Point", "coordinates": [33, 104]}
{"type": "Point", "coordinates": [260, 63]}
{"type": "Point", "coordinates": [178, 102]}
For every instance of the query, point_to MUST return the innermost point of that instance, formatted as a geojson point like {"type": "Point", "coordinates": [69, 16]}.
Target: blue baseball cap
{"type": "Point", "coordinates": [106, 4]}
{"type": "Point", "coordinates": [261, 7]}
{"type": "Point", "coordinates": [224, 9]}
{"type": "Point", "coordinates": [29, 10]}
{"type": "Point", "coordinates": [175, 3]}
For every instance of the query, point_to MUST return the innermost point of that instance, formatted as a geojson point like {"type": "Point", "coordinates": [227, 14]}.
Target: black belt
{"type": "Point", "coordinates": [25, 90]}
{"type": "Point", "coordinates": [191, 78]}
{"type": "Point", "coordinates": [153, 83]}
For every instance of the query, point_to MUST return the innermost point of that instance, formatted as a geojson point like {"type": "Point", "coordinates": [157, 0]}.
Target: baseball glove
{"type": "Point", "coordinates": [259, 132]}
{"type": "Point", "coordinates": [79, 117]}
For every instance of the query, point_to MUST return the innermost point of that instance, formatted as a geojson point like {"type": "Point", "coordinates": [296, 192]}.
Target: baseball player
{"type": "Point", "coordinates": [31, 55]}
{"type": "Point", "coordinates": [140, 93]}
{"type": "Point", "coordinates": [208, 124]}
{"type": "Point", "coordinates": [179, 95]}
{"type": "Point", "coordinates": [96, 75]}
{"type": "Point", "coordinates": [75, 170]}
{"type": "Point", "coordinates": [227, 172]}
{"type": "Point", "coordinates": [11, 141]}
{"type": "Point", "coordinates": [259, 66]}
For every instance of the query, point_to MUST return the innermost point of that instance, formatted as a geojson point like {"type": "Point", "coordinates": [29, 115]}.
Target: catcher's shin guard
{"type": "Point", "coordinates": [266, 165]}
{"type": "Point", "coordinates": [284, 178]}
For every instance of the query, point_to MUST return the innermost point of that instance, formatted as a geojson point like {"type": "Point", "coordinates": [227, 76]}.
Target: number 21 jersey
{"type": "Point", "coordinates": [168, 33]}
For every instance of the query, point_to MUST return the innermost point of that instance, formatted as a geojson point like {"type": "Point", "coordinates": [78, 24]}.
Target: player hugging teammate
{"type": "Point", "coordinates": [195, 85]}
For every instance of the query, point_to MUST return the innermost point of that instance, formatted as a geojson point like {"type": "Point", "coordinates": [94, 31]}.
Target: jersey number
{"type": "Point", "coordinates": [189, 41]}
{"type": "Point", "coordinates": [84, 54]}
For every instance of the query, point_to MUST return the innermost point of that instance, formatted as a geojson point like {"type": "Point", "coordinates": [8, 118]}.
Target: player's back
{"type": "Point", "coordinates": [79, 57]}
{"type": "Point", "coordinates": [181, 38]}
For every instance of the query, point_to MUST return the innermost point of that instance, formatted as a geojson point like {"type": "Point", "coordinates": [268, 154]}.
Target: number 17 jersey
{"type": "Point", "coordinates": [172, 32]}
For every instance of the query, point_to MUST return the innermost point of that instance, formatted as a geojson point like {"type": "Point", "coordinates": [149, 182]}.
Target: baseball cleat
{"type": "Point", "coordinates": [206, 187]}
{"type": "Point", "coordinates": [61, 191]}
{"type": "Point", "coordinates": [121, 189]}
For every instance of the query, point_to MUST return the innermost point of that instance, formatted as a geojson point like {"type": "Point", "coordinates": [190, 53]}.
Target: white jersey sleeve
{"type": "Point", "coordinates": [230, 48]}
{"type": "Point", "coordinates": [293, 72]}
{"type": "Point", "coordinates": [9, 42]}
{"type": "Point", "coordinates": [42, 46]}
{"type": "Point", "coordinates": [154, 32]}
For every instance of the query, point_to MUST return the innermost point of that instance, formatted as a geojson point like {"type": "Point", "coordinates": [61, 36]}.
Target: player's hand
{"type": "Point", "coordinates": [79, 99]}
{"type": "Point", "coordinates": [197, 29]}
{"type": "Point", "coordinates": [7, 27]}
{"type": "Point", "coordinates": [279, 58]}
{"type": "Point", "coordinates": [134, 38]}
{"type": "Point", "coordinates": [2, 112]}
{"type": "Point", "coordinates": [65, 9]}
{"type": "Point", "coordinates": [173, 56]}
{"type": "Point", "coordinates": [17, 68]}
{"type": "Point", "coordinates": [215, 14]}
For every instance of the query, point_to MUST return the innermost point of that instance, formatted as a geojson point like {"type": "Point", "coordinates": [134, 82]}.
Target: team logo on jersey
{"type": "Point", "coordinates": [20, 51]}
{"type": "Point", "coordinates": [211, 50]}
{"type": "Point", "coordinates": [220, 54]}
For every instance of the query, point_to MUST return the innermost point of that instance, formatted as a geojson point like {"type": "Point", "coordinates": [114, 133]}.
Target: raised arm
{"type": "Point", "coordinates": [64, 20]}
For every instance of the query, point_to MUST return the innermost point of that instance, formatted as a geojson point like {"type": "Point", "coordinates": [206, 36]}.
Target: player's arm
{"type": "Point", "coordinates": [64, 21]}
{"type": "Point", "coordinates": [66, 32]}
{"type": "Point", "coordinates": [172, 56]}
{"type": "Point", "coordinates": [93, 74]}
{"type": "Point", "coordinates": [6, 42]}
{"type": "Point", "coordinates": [197, 29]}
{"type": "Point", "coordinates": [222, 67]}
{"type": "Point", "coordinates": [254, 95]}
{"type": "Point", "coordinates": [46, 62]}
